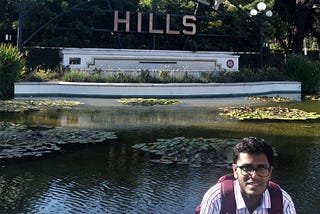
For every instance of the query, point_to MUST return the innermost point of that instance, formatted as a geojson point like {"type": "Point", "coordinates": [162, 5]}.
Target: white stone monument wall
{"type": "Point", "coordinates": [128, 60]}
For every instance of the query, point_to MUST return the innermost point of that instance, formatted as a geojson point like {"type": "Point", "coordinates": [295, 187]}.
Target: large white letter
{"type": "Point", "coordinates": [125, 21]}
{"type": "Point", "coordinates": [151, 30]}
{"type": "Point", "coordinates": [139, 25]}
{"type": "Point", "coordinates": [168, 31]}
{"type": "Point", "coordinates": [191, 25]}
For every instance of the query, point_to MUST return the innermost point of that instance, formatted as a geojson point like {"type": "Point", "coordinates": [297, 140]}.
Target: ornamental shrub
{"type": "Point", "coordinates": [11, 65]}
{"type": "Point", "coordinates": [41, 75]}
{"type": "Point", "coordinates": [299, 68]}
{"type": "Point", "coordinates": [75, 76]}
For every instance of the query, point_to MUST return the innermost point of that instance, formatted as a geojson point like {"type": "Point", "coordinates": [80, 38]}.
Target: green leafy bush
{"type": "Point", "coordinates": [75, 76]}
{"type": "Point", "coordinates": [299, 68]}
{"type": "Point", "coordinates": [46, 58]}
{"type": "Point", "coordinates": [248, 74]}
{"type": "Point", "coordinates": [244, 75]}
{"type": "Point", "coordinates": [145, 76]}
{"type": "Point", "coordinates": [96, 77]}
{"type": "Point", "coordinates": [274, 74]}
{"type": "Point", "coordinates": [42, 76]}
{"type": "Point", "coordinates": [11, 65]}
{"type": "Point", "coordinates": [206, 77]}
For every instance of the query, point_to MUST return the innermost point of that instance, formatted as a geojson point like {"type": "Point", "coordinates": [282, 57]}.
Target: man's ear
{"type": "Point", "coordinates": [271, 172]}
{"type": "Point", "coordinates": [234, 169]}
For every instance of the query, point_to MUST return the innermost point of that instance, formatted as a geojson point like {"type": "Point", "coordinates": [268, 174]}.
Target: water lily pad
{"type": "Point", "coordinates": [147, 102]}
{"type": "Point", "coordinates": [312, 97]}
{"type": "Point", "coordinates": [18, 140]}
{"type": "Point", "coordinates": [268, 113]}
{"type": "Point", "coordinates": [193, 152]}
{"type": "Point", "coordinates": [36, 105]}
{"type": "Point", "coordinates": [276, 99]}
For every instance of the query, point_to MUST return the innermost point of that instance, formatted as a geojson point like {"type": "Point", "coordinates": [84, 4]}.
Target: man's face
{"type": "Point", "coordinates": [252, 185]}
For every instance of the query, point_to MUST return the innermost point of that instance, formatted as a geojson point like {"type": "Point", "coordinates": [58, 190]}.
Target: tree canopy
{"type": "Point", "coordinates": [82, 23]}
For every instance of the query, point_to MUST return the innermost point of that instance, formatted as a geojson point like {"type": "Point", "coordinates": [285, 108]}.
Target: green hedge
{"type": "Point", "coordinates": [44, 58]}
{"type": "Point", "coordinates": [300, 68]}
{"type": "Point", "coordinates": [11, 65]}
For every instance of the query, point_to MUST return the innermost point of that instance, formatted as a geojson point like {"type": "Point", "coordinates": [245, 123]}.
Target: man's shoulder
{"type": "Point", "coordinates": [285, 195]}
{"type": "Point", "coordinates": [214, 192]}
{"type": "Point", "coordinates": [211, 201]}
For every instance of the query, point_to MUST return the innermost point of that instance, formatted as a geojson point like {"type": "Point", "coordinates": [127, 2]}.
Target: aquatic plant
{"type": "Point", "coordinates": [193, 152]}
{"type": "Point", "coordinates": [147, 102]}
{"type": "Point", "coordinates": [276, 99]}
{"type": "Point", "coordinates": [18, 140]}
{"type": "Point", "coordinates": [36, 105]}
{"type": "Point", "coordinates": [268, 113]}
{"type": "Point", "coordinates": [312, 97]}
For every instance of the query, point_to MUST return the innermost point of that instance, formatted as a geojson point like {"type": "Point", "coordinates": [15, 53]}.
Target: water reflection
{"type": "Point", "coordinates": [114, 178]}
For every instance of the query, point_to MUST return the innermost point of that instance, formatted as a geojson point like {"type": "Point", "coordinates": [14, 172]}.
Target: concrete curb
{"type": "Point", "coordinates": [171, 90]}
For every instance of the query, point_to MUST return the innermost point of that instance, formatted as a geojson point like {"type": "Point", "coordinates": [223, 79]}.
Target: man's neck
{"type": "Point", "coordinates": [251, 202]}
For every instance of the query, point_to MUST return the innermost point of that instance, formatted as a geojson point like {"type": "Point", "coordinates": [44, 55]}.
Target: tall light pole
{"type": "Point", "coordinates": [261, 6]}
{"type": "Point", "coordinates": [21, 7]}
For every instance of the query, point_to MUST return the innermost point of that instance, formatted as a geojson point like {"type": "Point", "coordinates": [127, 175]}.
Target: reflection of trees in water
{"type": "Point", "coordinates": [311, 179]}
{"type": "Point", "coordinates": [117, 176]}
{"type": "Point", "coordinates": [15, 188]}
{"type": "Point", "coordinates": [140, 117]}
{"type": "Point", "coordinates": [49, 118]}
{"type": "Point", "coordinates": [298, 169]}
{"type": "Point", "coordinates": [94, 175]}
{"type": "Point", "coordinates": [121, 118]}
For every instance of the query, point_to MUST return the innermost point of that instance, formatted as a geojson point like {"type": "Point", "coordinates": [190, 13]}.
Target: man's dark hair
{"type": "Point", "coordinates": [253, 145]}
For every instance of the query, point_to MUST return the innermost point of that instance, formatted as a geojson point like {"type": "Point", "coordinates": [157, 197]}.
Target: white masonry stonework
{"type": "Point", "coordinates": [112, 90]}
{"type": "Point", "coordinates": [152, 60]}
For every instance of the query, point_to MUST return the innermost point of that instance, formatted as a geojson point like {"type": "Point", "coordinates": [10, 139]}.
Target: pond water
{"type": "Point", "coordinates": [114, 178]}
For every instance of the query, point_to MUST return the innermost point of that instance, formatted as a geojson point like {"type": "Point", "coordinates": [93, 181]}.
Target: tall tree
{"type": "Point", "coordinates": [87, 28]}
{"type": "Point", "coordinates": [302, 17]}
{"type": "Point", "coordinates": [8, 16]}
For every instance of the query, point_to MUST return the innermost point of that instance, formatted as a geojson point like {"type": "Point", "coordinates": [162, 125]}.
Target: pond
{"type": "Point", "coordinates": [115, 178]}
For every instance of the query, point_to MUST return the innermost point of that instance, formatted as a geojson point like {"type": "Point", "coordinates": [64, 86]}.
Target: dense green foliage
{"type": "Point", "coordinates": [37, 105]}
{"type": "Point", "coordinates": [45, 58]}
{"type": "Point", "coordinates": [11, 64]}
{"type": "Point", "coordinates": [146, 76]}
{"type": "Point", "coordinates": [303, 17]}
{"type": "Point", "coordinates": [22, 141]}
{"type": "Point", "coordinates": [85, 26]}
{"type": "Point", "coordinates": [251, 75]}
{"type": "Point", "coordinates": [194, 152]}
{"type": "Point", "coordinates": [268, 113]}
{"type": "Point", "coordinates": [299, 68]}
{"type": "Point", "coordinates": [147, 101]}
{"type": "Point", "coordinates": [79, 23]}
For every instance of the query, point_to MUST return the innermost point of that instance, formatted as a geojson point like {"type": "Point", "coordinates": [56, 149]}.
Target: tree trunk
{"type": "Point", "coordinates": [300, 19]}
{"type": "Point", "coordinates": [296, 14]}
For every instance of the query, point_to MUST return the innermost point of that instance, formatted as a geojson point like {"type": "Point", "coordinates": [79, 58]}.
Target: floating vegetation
{"type": "Point", "coordinates": [18, 140]}
{"type": "Point", "coordinates": [147, 102]}
{"type": "Point", "coordinates": [276, 99]}
{"type": "Point", "coordinates": [193, 152]}
{"type": "Point", "coordinates": [36, 105]}
{"type": "Point", "coordinates": [312, 97]}
{"type": "Point", "coordinates": [268, 113]}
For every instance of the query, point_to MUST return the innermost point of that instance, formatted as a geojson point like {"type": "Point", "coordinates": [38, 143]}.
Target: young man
{"type": "Point", "coordinates": [252, 169]}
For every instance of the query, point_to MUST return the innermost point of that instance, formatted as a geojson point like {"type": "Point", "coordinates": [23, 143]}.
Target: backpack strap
{"type": "Point", "coordinates": [228, 176]}
{"type": "Point", "coordinates": [228, 201]}
{"type": "Point", "coordinates": [275, 198]}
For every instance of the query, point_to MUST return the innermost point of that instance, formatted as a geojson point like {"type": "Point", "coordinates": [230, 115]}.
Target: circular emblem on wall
{"type": "Point", "coordinates": [230, 63]}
